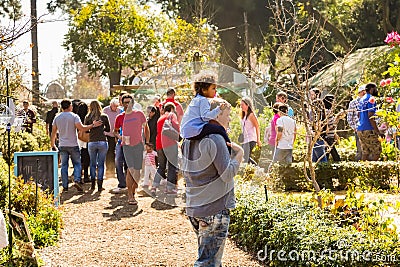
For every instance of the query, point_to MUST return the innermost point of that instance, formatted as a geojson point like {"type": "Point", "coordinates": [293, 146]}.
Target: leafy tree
{"type": "Point", "coordinates": [227, 16]}
{"type": "Point", "coordinates": [330, 23]}
{"type": "Point", "coordinates": [182, 39]}
{"type": "Point", "coordinates": [65, 5]}
{"type": "Point", "coordinates": [10, 9]}
{"type": "Point", "coordinates": [354, 23]}
{"type": "Point", "coordinates": [109, 35]}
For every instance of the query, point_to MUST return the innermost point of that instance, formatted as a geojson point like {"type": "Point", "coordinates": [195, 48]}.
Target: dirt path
{"type": "Point", "coordinates": [102, 230]}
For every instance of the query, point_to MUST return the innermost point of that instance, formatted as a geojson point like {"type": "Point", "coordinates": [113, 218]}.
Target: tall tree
{"type": "Point", "coordinates": [109, 35]}
{"type": "Point", "coordinates": [10, 9]}
{"type": "Point", "coordinates": [227, 15]}
{"type": "Point", "coordinates": [182, 39]}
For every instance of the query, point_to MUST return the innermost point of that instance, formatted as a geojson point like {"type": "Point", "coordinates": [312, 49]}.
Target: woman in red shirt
{"type": "Point", "coordinates": [167, 152]}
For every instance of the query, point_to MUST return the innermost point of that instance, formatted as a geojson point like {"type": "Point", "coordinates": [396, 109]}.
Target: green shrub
{"type": "Point", "coordinates": [336, 176]}
{"type": "Point", "coordinates": [47, 217]}
{"type": "Point", "coordinates": [293, 224]}
{"type": "Point", "coordinates": [45, 226]}
{"type": "Point", "coordinates": [23, 141]}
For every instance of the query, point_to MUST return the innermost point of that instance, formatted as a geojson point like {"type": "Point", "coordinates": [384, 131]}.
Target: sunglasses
{"type": "Point", "coordinates": [126, 102]}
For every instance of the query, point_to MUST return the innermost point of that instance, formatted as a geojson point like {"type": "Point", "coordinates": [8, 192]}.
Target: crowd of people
{"type": "Point", "coordinates": [322, 120]}
{"type": "Point", "coordinates": [121, 129]}
{"type": "Point", "coordinates": [104, 152]}
{"type": "Point", "coordinates": [123, 140]}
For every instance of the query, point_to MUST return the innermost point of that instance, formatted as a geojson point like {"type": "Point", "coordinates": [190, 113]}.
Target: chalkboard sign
{"type": "Point", "coordinates": [40, 166]}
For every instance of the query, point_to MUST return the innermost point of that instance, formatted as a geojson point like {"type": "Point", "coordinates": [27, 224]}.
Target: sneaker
{"type": "Point", "coordinates": [118, 190]}
{"type": "Point", "coordinates": [78, 187]}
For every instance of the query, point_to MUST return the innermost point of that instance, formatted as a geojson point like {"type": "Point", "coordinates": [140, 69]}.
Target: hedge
{"type": "Point", "coordinates": [336, 176]}
{"type": "Point", "coordinates": [290, 230]}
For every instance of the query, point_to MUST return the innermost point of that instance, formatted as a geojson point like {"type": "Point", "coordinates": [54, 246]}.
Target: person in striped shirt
{"type": "Point", "coordinates": [150, 164]}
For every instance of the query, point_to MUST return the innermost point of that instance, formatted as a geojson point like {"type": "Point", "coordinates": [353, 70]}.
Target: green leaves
{"type": "Point", "coordinates": [109, 35]}
{"type": "Point", "coordinates": [294, 225]}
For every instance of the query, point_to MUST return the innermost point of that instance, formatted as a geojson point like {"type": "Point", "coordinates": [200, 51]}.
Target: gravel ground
{"type": "Point", "coordinates": [103, 230]}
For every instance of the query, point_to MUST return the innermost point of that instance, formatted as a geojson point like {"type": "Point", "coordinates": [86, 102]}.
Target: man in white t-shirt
{"type": "Point", "coordinates": [66, 123]}
{"type": "Point", "coordinates": [285, 136]}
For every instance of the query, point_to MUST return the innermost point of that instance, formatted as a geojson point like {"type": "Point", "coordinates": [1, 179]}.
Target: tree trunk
{"type": "Point", "coordinates": [387, 26]}
{"type": "Point", "coordinates": [325, 24]}
{"type": "Point", "coordinates": [314, 181]}
{"type": "Point", "coordinates": [114, 77]}
{"type": "Point", "coordinates": [35, 55]}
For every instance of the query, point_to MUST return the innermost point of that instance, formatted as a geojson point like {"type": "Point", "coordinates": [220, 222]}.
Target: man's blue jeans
{"type": "Point", "coordinates": [65, 153]}
{"type": "Point", "coordinates": [211, 232]}
{"type": "Point", "coordinates": [97, 152]}
{"type": "Point", "coordinates": [119, 166]}
{"type": "Point", "coordinates": [319, 151]}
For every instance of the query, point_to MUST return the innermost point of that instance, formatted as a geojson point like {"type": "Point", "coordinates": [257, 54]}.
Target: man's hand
{"type": "Point", "coordinates": [238, 151]}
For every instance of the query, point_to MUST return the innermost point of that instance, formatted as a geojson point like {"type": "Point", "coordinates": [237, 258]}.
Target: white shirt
{"type": "Point", "coordinates": [289, 128]}
{"type": "Point", "coordinates": [249, 131]}
{"type": "Point", "coordinates": [3, 232]}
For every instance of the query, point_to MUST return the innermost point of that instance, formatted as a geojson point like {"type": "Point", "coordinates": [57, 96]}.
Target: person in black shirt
{"type": "Point", "coordinates": [152, 122]}
{"type": "Point", "coordinates": [29, 117]}
{"type": "Point", "coordinates": [50, 115]}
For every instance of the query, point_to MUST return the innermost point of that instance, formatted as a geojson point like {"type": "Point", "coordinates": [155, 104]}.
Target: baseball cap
{"type": "Point", "coordinates": [361, 88]}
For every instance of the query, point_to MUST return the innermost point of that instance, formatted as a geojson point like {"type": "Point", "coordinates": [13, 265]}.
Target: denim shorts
{"type": "Point", "coordinates": [134, 156]}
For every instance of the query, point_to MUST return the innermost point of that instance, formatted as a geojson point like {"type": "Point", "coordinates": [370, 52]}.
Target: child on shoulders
{"type": "Point", "coordinates": [196, 121]}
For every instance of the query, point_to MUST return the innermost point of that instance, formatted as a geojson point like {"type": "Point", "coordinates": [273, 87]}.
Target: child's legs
{"type": "Point", "coordinates": [212, 129]}
{"type": "Point", "coordinates": [147, 173]}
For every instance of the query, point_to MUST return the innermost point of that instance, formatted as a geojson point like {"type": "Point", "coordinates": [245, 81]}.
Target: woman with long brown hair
{"type": "Point", "coordinates": [250, 129]}
{"type": "Point", "coordinates": [97, 144]}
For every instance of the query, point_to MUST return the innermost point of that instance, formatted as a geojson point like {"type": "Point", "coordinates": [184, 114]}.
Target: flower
{"type": "Point", "coordinates": [372, 100]}
{"type": "Point", "coordinates": [393, 39]}
{"type": "Point", "coordinates": [389, 99]}
{"type": "Point", "coordinates": [386, 82]}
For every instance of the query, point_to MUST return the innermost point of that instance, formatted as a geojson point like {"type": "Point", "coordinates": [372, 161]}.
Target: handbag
{"type": "Point", "coordinates": [169, 131]}
{"type": "Point", "coordinates": [83, 136]}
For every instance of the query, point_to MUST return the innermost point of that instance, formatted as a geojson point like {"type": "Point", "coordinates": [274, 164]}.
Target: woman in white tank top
{"type": "Point", "coordinates": [250, 129]}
